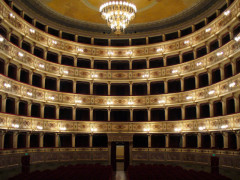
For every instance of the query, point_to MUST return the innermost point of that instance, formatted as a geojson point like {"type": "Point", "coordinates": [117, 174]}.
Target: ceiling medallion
{"type": "Point", "coordinates": [118, 14]}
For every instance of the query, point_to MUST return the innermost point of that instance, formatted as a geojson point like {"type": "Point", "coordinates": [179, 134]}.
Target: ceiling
{"type": "Point", "coordinates": [148, 10]}
{"type": "Point", "coordinates": [83, 15]}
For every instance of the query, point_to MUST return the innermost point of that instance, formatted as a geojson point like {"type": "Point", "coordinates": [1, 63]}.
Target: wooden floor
{"type": "Point", "coordinates": [120, 173]}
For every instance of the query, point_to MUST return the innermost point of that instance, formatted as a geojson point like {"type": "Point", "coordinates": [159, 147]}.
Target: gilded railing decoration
{"type": "Point", "coordinates": [21, 90]}
{"type": "Point", "coordinates": [222, 123]}
{"type": "Point", "coordinates": [33, 62]}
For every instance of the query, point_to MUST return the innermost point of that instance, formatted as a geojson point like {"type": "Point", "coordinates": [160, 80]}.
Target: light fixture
{"type": "Point", "coordinates": [7, 85]}
{"type": "Point", "coordinates": [174, 71]}
{"type": "Point", "coordinates": [208, 30]}
{"type": "Point", "coordinates": [199, 64]}
{"type": "Point", "coordinates": [94, 76]}
{"type": "Point", "coordinates": [118, 14]}
{"type": "Point", "coordinates": [11, 15]}
{"type": "Point", "coordinates": [211, 92]}
{"type": "Point", "coordinates": [15, 125]}
{"type": "Point", "coordinates": [186, 42]}
{"type": "Point", "coordinates": [51, 97]}
{"type": "Point", "coordinates": [1, 39]}
{"type": "Point", "coordinates": [63, 128]}
{"type": "Point", "coordinates": [220, 53]}
{"type": "Point", "coordinates": [146, 129]}
{"type": "Point", "coordinates": [80, 50]}
{"type": "Point", "coordinates": [145, 75]}
{"type": "Point", "coordinates": [93, 129]}
{"type": "Point", "coordinates": [40, 127]}
{"type": "Point", "coordinates": [32, 31]}
{"type": "Point", "coordinates": [65, 72]}
{"type": "Point", "coordinates": [130, 103]}
{"type": "Point", "coordinates": [226, 13]}
{"type": "Point", "coordinates": [129, 53]}
{"type": "Point", "coordinates": [29, 93]}
{"type": "Point", "coordinates": [232, 84]}
{"type": "Point", "coordinates": [161, 101]}
{"type": "Point", "coordinates": [110, 53]}
{"type": "Point", "coordinates": [177, 129]}
{"type": "Point", "coordinates": [224, 126]}
{"type": "Point", "coordinates": [78, 101]}
{"type": "Point", "coordinates": [20, 54]}
{"type": "Point", "coordinates": [189, 97]}
{"type": "Point", "coordinates": [109, 102]}
{"type": "Point", "coordinates": [41, 65]}
{"type": "Point", "coordinates": [54, 42]}
{"type": "Point", "coordinates": [237, 38]}
{"type": "Point", "coordinates": [201, 128]}
{"type": "Point", "coordinates": [159, 50]}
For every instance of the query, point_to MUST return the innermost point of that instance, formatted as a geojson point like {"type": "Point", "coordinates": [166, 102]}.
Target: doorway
{"type": "Point", "coordinates": [120, 155]}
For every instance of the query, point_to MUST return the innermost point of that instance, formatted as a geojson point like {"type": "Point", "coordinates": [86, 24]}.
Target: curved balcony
{"type": "Point", "coordinates": [51, 42]}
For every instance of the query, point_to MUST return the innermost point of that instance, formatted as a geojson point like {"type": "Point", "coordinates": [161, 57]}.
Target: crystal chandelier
{"type": "Point", "coordinates": [118, 14]}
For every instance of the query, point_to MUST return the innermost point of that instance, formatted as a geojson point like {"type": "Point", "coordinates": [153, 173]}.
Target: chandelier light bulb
{"type": "Point", "coordinates": [118, 14]}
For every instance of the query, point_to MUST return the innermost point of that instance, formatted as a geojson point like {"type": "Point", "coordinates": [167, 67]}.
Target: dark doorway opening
{"type": "Point", "coordinates": [120, 155]}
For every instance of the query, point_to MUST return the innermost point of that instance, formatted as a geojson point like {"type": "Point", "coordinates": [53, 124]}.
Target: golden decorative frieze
{"type": "Point", "coordinates": [221, 123]}
{"type": "Point", "coordinates": [29, 31]}
{"type": "Point", "coordinates": [28, 92]}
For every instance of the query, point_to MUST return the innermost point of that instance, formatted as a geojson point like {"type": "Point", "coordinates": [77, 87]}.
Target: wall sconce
{"type": "Point", "coordinates": [130, 102]}
{"type": "Point", "coordinates": [159, 50]}
{"type": "Point", "coordinates": [199, 64]}
{"type": "Point", "coordinates": [237, 38]}
{"type": "Point", "coordinates": [211, 92]}
{"type": "Point", "coordinates": [186, 42]}
{"type": "Point", "coordinates": [15, 125]}
{"type": "Point", "coordinates": [232, 84]}
{"type": "Point", "coordinates": [78, 101]}
{"type": "Point", "coordinates": [129, 53]}
{"type": "Point", "coordinates": [174, 71]}
{"type": "Point", "coordinates": [189, 97]}
{"type": "Point", "coordinates": [145, 75]}
{"type": "Point", "coordinates": [1, 39]}
{"type": "Point", "coordinates": [146, 129]}
{"type": "Point", "coordinates": [162, 101]}
{"type": "Point", "coordinates": [80, 50]}
{"type": "Point", "coordinates": [40, 127]}
{"type": "Point", "coordinates": [93, 130]}
{"type": "Point", "coordinates": [208, 30]}
{"type": "Point", "coordinates": [63, 128]}
{"type": "Point", "coordinates": [224, 126]}
{"type": "Point", "coordinates": [7, 85]}
{"type": "Point", "coordinates": [41, 65]}
{"type": "Point", "coordinates": [110, 53]}
{"type": "Point", "coordinates": [201, 128]}
{"type": "Point", "coordinates": [226, 13]}
{"type": "Point", "coordinates": [32, 31]}
{"type": "Point", "coordinates": [65, 72]}
{"type": "Point", "coordinates": [54, 42]}
{"type": "Point", "coordinates": [220, 53]}
{"type": "Point", "coordinates": [11, 15]}
{"type": "Point", "coordinates": [94, 76]}
{"type": "Point", "coordinates": [29, 93]}
{"type": "Point", "coordinates": [177, 129]}
{"type": "Point", "coordinates": [109, 102]}
{"type": "Point", "coordinates": [20, 54]}
{"type": "Point", "coordinates": [51, 97]}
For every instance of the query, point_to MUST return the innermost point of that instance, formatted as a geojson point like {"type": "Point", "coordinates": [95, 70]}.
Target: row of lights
{"type": "Point", "coordinates": [211, 92]}
{"type": "Point", "coordinates": [202, 128]}
{"type": "Point", "coordinates": [147, 129]}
